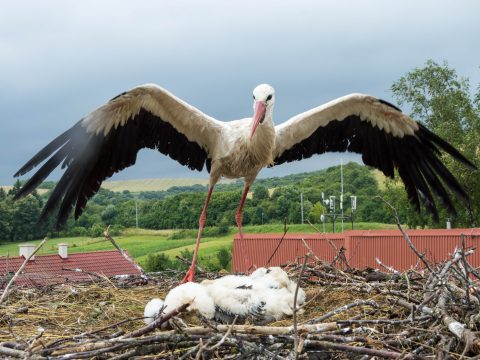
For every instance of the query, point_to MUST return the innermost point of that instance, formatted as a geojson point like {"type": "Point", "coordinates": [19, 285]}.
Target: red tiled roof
{"type": "Point", "coordinates": [47, 270]}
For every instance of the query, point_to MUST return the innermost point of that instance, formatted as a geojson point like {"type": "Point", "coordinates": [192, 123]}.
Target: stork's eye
{"type": "Point", "coordinates": [253, 97]}
{"type": "Point", "coordinates": [269, 97]}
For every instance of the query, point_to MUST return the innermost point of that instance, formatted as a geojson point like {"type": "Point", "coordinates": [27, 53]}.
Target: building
{"type": "Point", "coordinates": [361, 247]}
{"type": "Point", "coordinates": [62, 268]}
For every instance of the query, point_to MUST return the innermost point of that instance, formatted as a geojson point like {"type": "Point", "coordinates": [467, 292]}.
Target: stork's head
{"type": "Point", "coordinates": [263, 100]}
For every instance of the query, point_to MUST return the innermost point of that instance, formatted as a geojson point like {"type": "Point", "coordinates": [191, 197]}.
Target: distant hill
{"type": "Point", "coordinates": [7, 188]}
{"type": "Point", "coordinates": [154, 184]}
{"type": "Point", "coordinates": [163, 184]}
{"type": "Point", "coordinates": [137, 185]}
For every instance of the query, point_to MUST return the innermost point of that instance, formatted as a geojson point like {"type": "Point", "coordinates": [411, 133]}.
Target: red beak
{"type": "Point", "coordinates": [258, 115]}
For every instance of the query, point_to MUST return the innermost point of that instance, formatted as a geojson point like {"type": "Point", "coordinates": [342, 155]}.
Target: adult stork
{"type": "Point", "coordinates": [107, 140]}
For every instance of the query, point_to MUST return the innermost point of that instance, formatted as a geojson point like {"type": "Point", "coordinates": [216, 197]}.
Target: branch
{"type": "Point", "coordinates": [12, 280]}
{"type": "Point", "coordinates": [405, 235]}
{"type": "Point", "coordinates": [285, 229]}
{"type": "Point", "coordinates": [120, 250]}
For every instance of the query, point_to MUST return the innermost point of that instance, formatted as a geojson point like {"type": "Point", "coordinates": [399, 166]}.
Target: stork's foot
{"type": "Point", "coordinates": [189, 276]}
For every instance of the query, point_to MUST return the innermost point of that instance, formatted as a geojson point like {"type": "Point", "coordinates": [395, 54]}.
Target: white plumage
{"type": "Point", "coordinates": [107, 140]}
{"type": "Point", "coordinates": [266, 295]}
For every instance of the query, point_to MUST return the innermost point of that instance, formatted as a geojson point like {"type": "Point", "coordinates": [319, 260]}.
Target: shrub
{"type": "Point", "coordinates": [159, 262]}
{"type": "Point", "coordinates": [96, 230]}
{"type": "Point", "coordinates": [224, 257]}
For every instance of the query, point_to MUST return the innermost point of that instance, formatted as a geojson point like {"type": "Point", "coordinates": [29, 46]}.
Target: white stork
{"type": "Point", "coordinates": [264, 296]}
{"type": "Point", "coordinates": [107, 140]}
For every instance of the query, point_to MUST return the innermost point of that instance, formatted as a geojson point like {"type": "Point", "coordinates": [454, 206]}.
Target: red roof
{"type": "Point", "coordinates": [47, 270]}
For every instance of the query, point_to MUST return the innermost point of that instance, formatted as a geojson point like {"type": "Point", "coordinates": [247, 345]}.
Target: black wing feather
{"type": "Point", "coordinates": [89, 159]}
{"type": "Point", "coordinates": [415, 157]}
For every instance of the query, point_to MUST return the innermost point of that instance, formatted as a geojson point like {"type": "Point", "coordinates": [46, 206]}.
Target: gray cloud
{"type": "Point", "coordinates": [62, 59]}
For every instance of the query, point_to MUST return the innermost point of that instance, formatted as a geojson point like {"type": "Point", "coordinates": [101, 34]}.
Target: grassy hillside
{"type": "Point", "coordinates": [7, 188]}
{"type": "Point", "coordinates": [151, 184]}
{"type": "Point", "coordinates": [140, 243]}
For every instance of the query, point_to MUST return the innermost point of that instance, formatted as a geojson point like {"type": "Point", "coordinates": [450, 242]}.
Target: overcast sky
{"type": "Point", "coordinates": [61, 59]}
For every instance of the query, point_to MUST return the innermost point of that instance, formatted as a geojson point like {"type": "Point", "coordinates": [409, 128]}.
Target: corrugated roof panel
{"type": "Point", "coordinates": [362, 247]}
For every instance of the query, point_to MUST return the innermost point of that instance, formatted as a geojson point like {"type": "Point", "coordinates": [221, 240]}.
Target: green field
{"type": "Point", "coordinates": [140, 243]}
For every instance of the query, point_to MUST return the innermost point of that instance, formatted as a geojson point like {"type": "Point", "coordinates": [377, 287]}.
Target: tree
{"type": "Point", "coordinates": [224, 256]}
{"type": "Point", "coordinates": [26, 213]}
{"type": "Point", "coordinates": [3, 194]}
{"type": "Point", "coordinates": [159, 262]}
{"type": "Point", "coordinates": [317, 210]}
{"type": "Point", "coordinates": [5, 221]}
{"type": "Point", "coordinates": [15, 189]}
{"type": "Point", "coordinates": [443, 101]}
{"type": "Point", "coordinates": [109, 215]}
{"type": "Point", "coordinates": [260, 193]}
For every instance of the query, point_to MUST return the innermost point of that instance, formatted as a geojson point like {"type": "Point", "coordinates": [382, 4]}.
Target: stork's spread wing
{"type": "Point", "coordinates": [386, 138]}
{"type": "Point", "coordinates": [108, 139]}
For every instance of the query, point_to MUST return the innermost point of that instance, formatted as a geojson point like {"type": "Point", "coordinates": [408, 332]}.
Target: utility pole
{"type": "Point", "coordinates": [301, 204]}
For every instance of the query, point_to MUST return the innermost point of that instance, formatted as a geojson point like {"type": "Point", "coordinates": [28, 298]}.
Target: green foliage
{"type": "Point", "coordinates": [223, 226]}
{"type": "Point", "coordinates": [224, 256]}
{"type": "Point", "coordinates": [159, 262]}
{"type": "Point", "coordinates": [3, 194]}
{"type": "Point", "coordinates": [260, 193]}
{"type": "Point", "coordinates": [181, 210]}
{"type": "Point", "coordinates": [444, 102]}
{"type": "Point", "coordinates": [96, 230]}
{"type": "Point", "coordinates": [317, 210]}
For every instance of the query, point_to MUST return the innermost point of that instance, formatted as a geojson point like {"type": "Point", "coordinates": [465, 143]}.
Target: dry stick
{"type": "Point", "coordinates": [12, 280]}
{"type": "Point", "coordinates": [189, 262]}
{"type": "Point", "coordinates": [465, 269]}
{"type": "Point", "coordinates": [222, 340]}
{"type": "Point", "coordinates": [341, 309]}
{"type": "Point", "coordinates": [338, 252]}
{"type": "Point", "coordinates": [295, 329]}
{"type": "Point", "coordinates": [95, 348]}
{"type": "Point", "coordinates": [90, 349]}
{"type": "Point", "coordinates": [388, 268]}
{"type": "Point", "coordinates": [310, 251]}
{"type": "Point", "coordinates": [52, 346]}
{"type": "Point", "coordinates": [157, 322]}
{"type": "Point", "coordinates": [309, 301]}
{"type": "Point", "coordinates": [405, 235]}
{"type": "Point", "coordinates": [458, 329]}
{"type": "Point", "coordinates": [120, 250]}
{"type": "Point", "coordinates": [285, 229]}
{"type": "Point", "coordinates": [357, 349]}
{"type": "Point", "coordinates": [83, 271]}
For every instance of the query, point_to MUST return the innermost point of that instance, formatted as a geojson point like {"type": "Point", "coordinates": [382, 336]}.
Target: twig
{"type": "Point", "coordinates": [295, 325]}
{"type": "Point", "coordinates": [222, 340]}
{"type": "Point", "coordinates": [188, 262]}
{"type": "Point", "coordinates": [285, 229]}
{"type": "Point", "coordinates": [388, 268]}
{"type": "Point", "coordinates": [123, 253]}
{"type": "Point", "coordinates": [357, 350]}
{"type": "Point", "coordinates": [341, 309]}
{"type": "Point", "coordinates": [12, 280]}
{"type": "Point", "coordinates": [405, 235]}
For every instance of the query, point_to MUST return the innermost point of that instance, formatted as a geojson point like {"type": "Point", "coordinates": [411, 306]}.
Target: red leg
{"type": "Point", "coordinates": [189, 276]}
{"type": "Point", "coordinates": [238, 215]}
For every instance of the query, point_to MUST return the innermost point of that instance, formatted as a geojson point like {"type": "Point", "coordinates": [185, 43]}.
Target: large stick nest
{"type": "Point", "coordinates": [349, 314]}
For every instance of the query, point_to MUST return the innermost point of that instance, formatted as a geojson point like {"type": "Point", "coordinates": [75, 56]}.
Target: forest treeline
{"type": "Point", "coordinates": [436, 96]}
{"type": "Point", "coordinates": [272, 201]}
